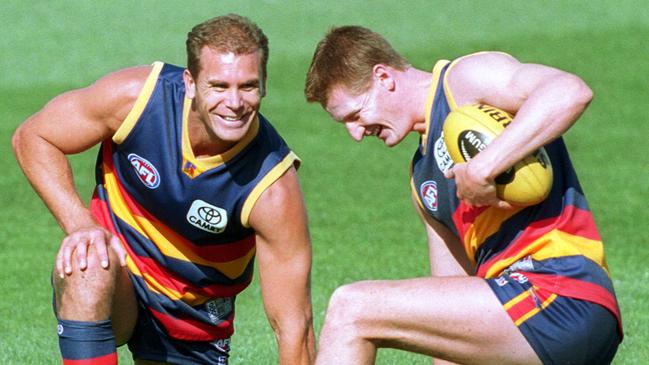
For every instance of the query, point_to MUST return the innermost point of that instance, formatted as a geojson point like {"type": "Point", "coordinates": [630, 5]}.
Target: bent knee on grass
{"type": "Point", "coordinates": [86, 294]}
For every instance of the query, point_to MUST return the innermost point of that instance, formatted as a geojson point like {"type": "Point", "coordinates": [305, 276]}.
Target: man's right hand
{"type": "Point", "coordinates": [75, 246]}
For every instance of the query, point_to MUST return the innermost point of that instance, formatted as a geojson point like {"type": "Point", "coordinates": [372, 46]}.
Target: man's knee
{"type": "Point", "coordinates": [90, 288]}
{"type": "Point", "coordinates": [350, 305]}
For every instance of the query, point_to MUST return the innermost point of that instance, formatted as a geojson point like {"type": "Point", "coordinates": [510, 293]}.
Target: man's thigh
{"type": "Point", "coordinates": [454, 318]}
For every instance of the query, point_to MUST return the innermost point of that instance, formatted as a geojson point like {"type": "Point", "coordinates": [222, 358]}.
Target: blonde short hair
{"type": "Point", "coordinates": [346, 56]}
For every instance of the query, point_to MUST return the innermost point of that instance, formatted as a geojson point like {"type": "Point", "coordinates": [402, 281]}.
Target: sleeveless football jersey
{"type": "Point", "coordinates": [555, 243]}
{"type": "Point", "coordinates": [183, 219]}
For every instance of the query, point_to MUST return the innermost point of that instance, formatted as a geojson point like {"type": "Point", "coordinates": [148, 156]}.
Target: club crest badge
{"type": "Point", "coordinates": [428, 192]}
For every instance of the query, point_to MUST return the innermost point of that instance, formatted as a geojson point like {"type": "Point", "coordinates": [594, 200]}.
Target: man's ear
{"type": "Point", "coordinates": [262, 73]}
{"type": "Point", "coordinates": [190, 85]}
{"type": "Point", "coordinates": [262, 85]}
{"type": "Point", "coordinates": [384, 76]}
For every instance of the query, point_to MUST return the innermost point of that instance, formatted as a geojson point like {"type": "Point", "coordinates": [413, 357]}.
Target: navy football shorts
{"type": "Point", "coordinates": [150, 342]}
{"type": "Point", "coordinates": [561, 330]}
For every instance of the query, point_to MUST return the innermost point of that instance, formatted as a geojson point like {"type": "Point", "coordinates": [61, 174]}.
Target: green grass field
{"type": "Point", "coordinates": [361, 219]}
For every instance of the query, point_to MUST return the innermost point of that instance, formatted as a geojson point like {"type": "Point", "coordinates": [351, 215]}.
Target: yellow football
{"type": "Point", "coordinates": [470, 128]}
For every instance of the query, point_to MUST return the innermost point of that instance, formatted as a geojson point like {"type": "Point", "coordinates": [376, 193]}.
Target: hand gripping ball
{"type": "Point", "coordinates": [470, 128]}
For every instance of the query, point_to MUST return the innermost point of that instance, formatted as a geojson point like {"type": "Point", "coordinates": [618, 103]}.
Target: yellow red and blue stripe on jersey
{"type": "Point", "coordinates": [555, 243]}
{"type": "Point", "coordinates": [182, 219]}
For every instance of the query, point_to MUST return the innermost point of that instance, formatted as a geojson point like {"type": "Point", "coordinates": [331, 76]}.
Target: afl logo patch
{"type": "Point", "coordinates": [207, 217]}
{"type": "Point", "coordinates": [428, 192]}
{"type": "Point", "coordinates": [145, 170]}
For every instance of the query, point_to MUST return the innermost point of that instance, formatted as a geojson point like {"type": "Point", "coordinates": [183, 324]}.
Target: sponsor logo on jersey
{"type": "Point", "coordinates": [145, 170]}
{"type": "Point", "coordinates": [428, 191]}
{"type": "Point", "coordinates": [207, 217]}
{"type": "Point", "coordinates": [442, 157]}
{"type": "Point", "coordinates": [218, 309]}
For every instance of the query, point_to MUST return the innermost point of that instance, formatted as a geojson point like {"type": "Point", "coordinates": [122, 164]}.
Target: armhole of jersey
{"type": "Point", "coordinates": [413, 191]}
{"type": "Point", "coordinates": [430, 99]}
{"type": "Point", "coordinates": [140, 103]}
{"type": "Point", "coordinates": [275, 173]}
{"type": "Point", "coordinates": [447, 90]}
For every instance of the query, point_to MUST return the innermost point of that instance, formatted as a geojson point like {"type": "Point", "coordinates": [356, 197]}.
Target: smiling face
{"type": "Point", "coordinates": [226, 98]}
{"type": "Point", "coordinates": [375, 112]}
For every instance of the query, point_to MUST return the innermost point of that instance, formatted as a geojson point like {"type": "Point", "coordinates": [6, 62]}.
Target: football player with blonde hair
{"type": "Point", "coordinates": [510, 284]}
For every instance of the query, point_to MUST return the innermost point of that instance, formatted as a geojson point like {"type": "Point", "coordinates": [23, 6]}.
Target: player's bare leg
{"type": "Point", "coordinates": [443, 362]}
{"type": "Point", "coordinates": [96, 294]}
{"type": "Point", "coordinates": [456, 319]}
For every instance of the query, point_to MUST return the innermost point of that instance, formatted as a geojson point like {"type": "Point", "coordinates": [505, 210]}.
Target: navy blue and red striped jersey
{"type": "Point", "coordinates": [184, 219]}
{"type": "Point", "coordinates": [555, 243]}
